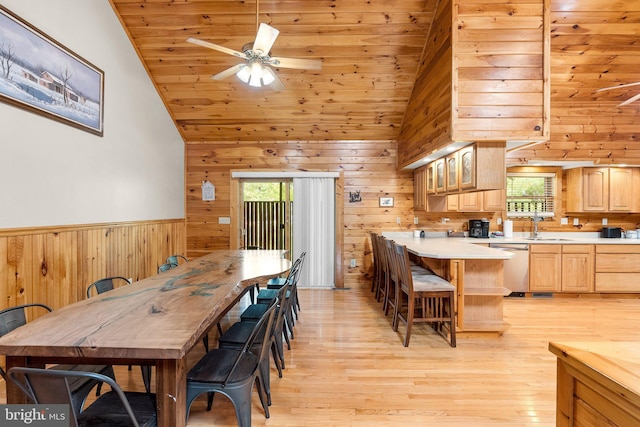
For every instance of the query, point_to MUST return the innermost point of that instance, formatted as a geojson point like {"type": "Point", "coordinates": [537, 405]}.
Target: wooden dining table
{"type": "Point", "coordinates": [156, 321]}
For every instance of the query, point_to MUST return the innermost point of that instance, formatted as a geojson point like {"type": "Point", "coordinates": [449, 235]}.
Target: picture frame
{"type": "Point", "coordinates": [386, 202]}
{"type": "Point", "coordinates": [42, 76]}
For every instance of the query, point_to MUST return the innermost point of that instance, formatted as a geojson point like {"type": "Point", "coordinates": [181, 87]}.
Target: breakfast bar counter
{"type": "Point", "coordinates": [476, 271]}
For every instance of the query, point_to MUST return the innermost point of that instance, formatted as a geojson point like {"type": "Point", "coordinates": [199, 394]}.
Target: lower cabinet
{"type": "Point", "coordinates": [561, 268]}
{"type": "Point", "coordinates": [577, 268]}
{"type": "Point", "coordinates": [617, 268]}
{"type": "Point", "coordinates": [545, 268]}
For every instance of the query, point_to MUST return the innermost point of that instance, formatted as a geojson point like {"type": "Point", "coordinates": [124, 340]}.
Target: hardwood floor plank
{"type": "Point", "coordinates": [348, 368]}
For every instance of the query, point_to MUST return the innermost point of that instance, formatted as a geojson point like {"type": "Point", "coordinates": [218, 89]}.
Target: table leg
{"type": "Point", "coordinates": [14, 395]}
{"type": "Point", "coordinates": [171, 392]}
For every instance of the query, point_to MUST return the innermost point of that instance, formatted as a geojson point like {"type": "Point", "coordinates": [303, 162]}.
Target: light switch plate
{"type": "Point", "coordinates": [224, 220]}
{"type": "Point", "coordinates": [605, 221]}
{"type": "Point", "coordinates": [576, 221]}
{"type": "Point", "coordinates": [353, 263]}
{"type": "Point", "coordinates": [564, 221]}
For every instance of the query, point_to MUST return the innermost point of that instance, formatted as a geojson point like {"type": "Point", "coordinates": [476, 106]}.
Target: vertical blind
{"type": "Point", "coordinates": [314, 230]}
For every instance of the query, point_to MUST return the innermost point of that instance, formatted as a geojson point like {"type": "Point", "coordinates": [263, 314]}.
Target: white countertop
{"type": "Point", "coordinates": [447, 247]}
{"type": "Point", "coordinates": [470, 248]}
{"type": "Point", "coordinates": [560, 238]}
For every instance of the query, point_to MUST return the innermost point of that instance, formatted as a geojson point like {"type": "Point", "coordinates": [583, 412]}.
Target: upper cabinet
{"type": "Point", "coordinates": [603, 190]}
{"type": "Point", "coordinates": [471, 179]}
{"type": "Point", "coordinates": [452, 172]}
{"type": "Point", "coordinates": [485, 76]}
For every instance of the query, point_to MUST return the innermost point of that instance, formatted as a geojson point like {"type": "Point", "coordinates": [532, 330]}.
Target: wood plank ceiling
{"type": "Point", "coordinates": [370, 51]}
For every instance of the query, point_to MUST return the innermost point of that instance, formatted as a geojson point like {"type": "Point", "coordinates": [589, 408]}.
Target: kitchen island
{"type": "Point", "coordinates": [476, 271]}
{"type": "Point", "coordinates": [598, 383]}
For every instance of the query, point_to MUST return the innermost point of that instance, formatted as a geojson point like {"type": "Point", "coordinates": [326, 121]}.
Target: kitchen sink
{"type": "Point", "coordinates": [549, 239]}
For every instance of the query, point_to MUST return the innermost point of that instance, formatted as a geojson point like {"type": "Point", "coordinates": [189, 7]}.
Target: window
{"type": "Point", "coordinates": [530, 193]}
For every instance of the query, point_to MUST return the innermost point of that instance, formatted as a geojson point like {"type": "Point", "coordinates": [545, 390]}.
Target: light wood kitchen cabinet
{"type": "Point", "coordinates": [545, 268]}
{"type": "Point", "coordinates": [452, 167]}
{"type": "Point", "coordinates": [470, 202]}
{"type": "Point", "coordinates": [561, 268]}
{"type": "Point", "coordinates": [431, 179]}
{"type": "Point", "coordinates": [617, 268]}
{"type": "Point", "coordinates": [603, 190]}
{"type": "Point", "coordinates": [439, 170]}
{"type": "Point", "coordinates": [420, 189]}
{"type": "Point", "coordinates": [577, 268]}
{"type": "Point", "coordinates": [478, 201]}
{"type": "Point", "coordinates": [467, 167]}
{"type": "Point", "coordinates": [494, 201]}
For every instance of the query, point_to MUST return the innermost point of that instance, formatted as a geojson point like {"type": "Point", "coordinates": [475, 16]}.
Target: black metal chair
{"type": "Point", "coordinates": [166, 267]}
{"type": "Point", "coordinates": [232, 373]}
{"type": "Point", "coordinates": [105, 285]}
{"type": "Point", "coordinates": [175, 259]}
{"type": "Point", "coordinates": [237, 335]}
{"type": "Point", "coordinates": [114, 408]}
{"type": "Point", "coordinates": [14, 317]}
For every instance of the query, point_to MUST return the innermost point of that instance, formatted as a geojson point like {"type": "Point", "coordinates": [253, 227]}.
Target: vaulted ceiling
{"type": "Point", "coordinates": [370, 50]}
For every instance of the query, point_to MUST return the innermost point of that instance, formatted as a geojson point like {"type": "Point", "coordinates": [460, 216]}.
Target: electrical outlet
{"type": "Point", "coordinates": [398, 220]}
{"type": "Point", "coordinates": [564, 221]}
{"type": "Point", "coordinates": [415, 220]}
{"type": "Point", "coordinates": [605, 221]}
{"type": "Point", "coordinates": [499, 221]}
{"type": "Point", "coordinates": [576, 221]}
{"type": "Point", "coordinates": [353, 263]}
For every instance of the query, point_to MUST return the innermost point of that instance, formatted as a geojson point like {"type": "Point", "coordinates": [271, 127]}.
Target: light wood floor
{"type": "Point", "coordinates": [348, 368]}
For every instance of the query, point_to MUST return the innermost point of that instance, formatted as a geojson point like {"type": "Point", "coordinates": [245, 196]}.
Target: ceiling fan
{"type": "Point", "coordinates": [257, 68]}
{"type": "Point", "coordinates": [628, 101]}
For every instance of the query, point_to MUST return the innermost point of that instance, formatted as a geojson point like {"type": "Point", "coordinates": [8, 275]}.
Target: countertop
{"type": "Point", "coordinates": [447, 247]}
{"type": "Point", "coordinates": [567, 238]}
{"type": "Point", "coordinates": [437, 245]}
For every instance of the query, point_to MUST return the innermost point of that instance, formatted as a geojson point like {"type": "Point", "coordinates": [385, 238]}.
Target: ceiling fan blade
{"type": "Point", "coordinates": [618, 87]}
{"type": "Point", "coordinates": [301, 64]}
{"type": "Point", "coordinates": [276, 84]}
{"type": "Point", "coordinates": [634, 98]}
{"type": "Point", "coordinates": [265, 39]}
{"type": "Point", "coordinates": [217, 47]}
{"type": "Point", "coordinates": [228, 72]}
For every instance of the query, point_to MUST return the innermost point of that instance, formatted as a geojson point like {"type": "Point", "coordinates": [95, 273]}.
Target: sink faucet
{"type": "Point", "coordinates": [536, 219]}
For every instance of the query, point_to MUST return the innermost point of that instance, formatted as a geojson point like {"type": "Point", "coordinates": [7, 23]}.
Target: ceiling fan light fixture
{"type": "Point", "coordinates": [256, 75]}
{"type": "Point", "coordinates": [267, 76]}
{"type": "Point", "coordinates": [244, 74]}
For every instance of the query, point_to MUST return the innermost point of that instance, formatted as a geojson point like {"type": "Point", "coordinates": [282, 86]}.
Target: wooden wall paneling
{"type": "Point", "coordinates": [594, 45]}
{"type": "Point", "coordinates": [495, 36]}
{"type": "Point", "coordinates": [426, 128]}
{"type": "Point", "coordinates": [367, 166]}
{"type": "Point", "coordinates": [55, 266]}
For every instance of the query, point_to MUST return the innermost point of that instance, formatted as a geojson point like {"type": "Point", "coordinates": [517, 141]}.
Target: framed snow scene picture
{"type": "Point", "coordinates": [42, 76]}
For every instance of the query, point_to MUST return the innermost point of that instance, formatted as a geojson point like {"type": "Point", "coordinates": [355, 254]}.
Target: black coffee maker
{"type": "Point", "coordinates": [478, 228]}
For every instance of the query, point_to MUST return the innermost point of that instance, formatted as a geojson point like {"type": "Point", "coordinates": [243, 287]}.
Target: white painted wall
{"type": "Point", "coordinates": [55, 174]}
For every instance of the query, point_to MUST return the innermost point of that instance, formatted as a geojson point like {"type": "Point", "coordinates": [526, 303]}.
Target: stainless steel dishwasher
{"type": "Point", "coordinates": [516, 269]}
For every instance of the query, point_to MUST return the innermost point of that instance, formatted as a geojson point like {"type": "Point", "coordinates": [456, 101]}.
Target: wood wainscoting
{"type": "Point", "coordinates": [55, 265]}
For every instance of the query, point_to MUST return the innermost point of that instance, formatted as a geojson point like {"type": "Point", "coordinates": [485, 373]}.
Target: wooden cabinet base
{"type": "Point", "coordinates": [597, 384]}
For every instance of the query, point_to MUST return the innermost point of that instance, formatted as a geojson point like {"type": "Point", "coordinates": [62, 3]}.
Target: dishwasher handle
{"type": "Point", "coordinates": [510, 246]}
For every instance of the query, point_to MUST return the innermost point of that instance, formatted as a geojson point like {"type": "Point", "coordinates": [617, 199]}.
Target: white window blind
{"type": "Point", "coordinates": [531, 193]}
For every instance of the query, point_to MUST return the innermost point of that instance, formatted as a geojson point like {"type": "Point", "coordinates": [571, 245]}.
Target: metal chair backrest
{"type": "Point", "coordinates": [264, 325]}
{"type": "Point", "coordinates": [166, 266]}
{"type": "Point", "coordinates": [175, 259]}
{"type": "Point", "coordinates": [48, 386]}
{"type": "Point", "coordinates": [105, 285]}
